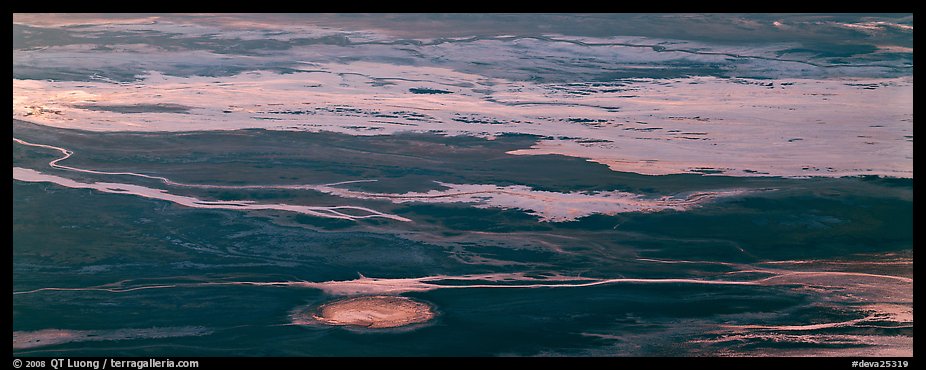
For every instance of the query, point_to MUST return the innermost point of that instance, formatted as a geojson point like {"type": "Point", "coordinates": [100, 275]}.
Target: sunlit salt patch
{"type": "Point", "coordinates": [894, 49]}
{"type": "Point", "coordinates": [735, 127]}
{"type": "Point", "coordinates": [548, 206]}
{"type": "Point", "coordinates": [132, 59]}
{"type": "Point", "coordinates": [876, 26]}
{"type": "Point", "coordinates": [392, 286]}
{"type": "Point", "coordinates": [817, 345]}
{"type": "Point", "coordinates": [805, 327]}
{"type": "Point", "coordinates": [649, 49]}
{"type": "Point", "coordinates": [890, 312]}
{"type": "Point", "coordinates": [217, 27]}
{"type": "Point", "coordinates": [30, 175]}
{"type": "Point", "coordinates": [50, 337]}
{"type": "Point", "coordinates": [876, 301]}
{"type": "Point", "coordinates": [371, 312]}
{"type": "Point", "coordinates": [66, 20]}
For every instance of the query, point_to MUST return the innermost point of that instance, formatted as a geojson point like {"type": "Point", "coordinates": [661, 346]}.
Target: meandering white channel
{"type": "Point", "coordinates": [30, 175]}
{"type": "Point", "coordinates": [548, 206]}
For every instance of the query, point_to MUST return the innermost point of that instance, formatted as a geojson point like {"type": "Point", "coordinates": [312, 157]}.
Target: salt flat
{"type": "Point", "coordinates": [301, 185]}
